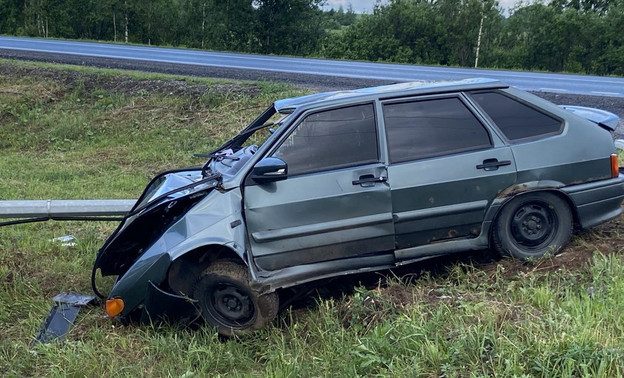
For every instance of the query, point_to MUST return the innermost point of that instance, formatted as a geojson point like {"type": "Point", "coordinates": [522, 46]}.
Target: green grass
{"type": "Point", "coordinates": [66, 141]}
{"type": "Point", "coordinates": [80, 134]}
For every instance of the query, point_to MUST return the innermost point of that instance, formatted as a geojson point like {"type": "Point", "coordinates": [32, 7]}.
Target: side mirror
{"type": "Point", "coordinates": [269, 169]}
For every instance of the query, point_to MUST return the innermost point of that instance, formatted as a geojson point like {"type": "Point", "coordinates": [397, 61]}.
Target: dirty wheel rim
{"type": "Point", "coordinates": [534, 225]}
{"type": "Point", "coordinates": [231, 305]}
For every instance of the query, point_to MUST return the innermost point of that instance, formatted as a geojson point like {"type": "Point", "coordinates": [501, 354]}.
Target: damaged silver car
{"type": "Point", "coordinates": [357, 181]}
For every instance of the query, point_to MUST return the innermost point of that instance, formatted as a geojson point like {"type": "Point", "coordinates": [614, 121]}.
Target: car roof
{"type": "Point", "coordinates": [386, 91]}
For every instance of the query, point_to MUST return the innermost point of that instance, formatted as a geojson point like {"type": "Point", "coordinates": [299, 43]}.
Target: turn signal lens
{"type": "Point", "coordinates": [114, 306]}
{"type": "Point", "coordinates": [615, 169]}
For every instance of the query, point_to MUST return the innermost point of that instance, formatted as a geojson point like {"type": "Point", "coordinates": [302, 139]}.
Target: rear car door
{"type": "Point", "coordinates": [445, 169]}
{"type": "Point", "coordinates": [335, 202]}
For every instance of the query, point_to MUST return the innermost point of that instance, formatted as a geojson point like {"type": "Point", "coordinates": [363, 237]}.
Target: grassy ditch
{"type": "Point", "coordinates": [67, 133]}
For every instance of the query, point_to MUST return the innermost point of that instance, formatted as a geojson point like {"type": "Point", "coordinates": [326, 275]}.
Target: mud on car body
{"type": "Point", "coordinates": [357, 181]}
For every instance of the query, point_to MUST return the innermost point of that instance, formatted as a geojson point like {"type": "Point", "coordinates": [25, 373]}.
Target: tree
{"type": "Point", "coordinates": [288, 26]}
{"type": "Point", "coordinates": [11, 16]}
{"type": "Point", "coordinates": [598, 6]}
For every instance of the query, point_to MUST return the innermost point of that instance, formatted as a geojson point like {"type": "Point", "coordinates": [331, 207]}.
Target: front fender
{"type": "Point", "coordinates": [133, 286]}
{"type": "Point", "coordinates": [214, 221]}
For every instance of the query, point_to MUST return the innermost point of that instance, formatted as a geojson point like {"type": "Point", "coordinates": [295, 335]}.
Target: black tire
{"type": "Point", "coordinates": [533, 225]}
{"type": "Point", "coordinates": [228, 302]}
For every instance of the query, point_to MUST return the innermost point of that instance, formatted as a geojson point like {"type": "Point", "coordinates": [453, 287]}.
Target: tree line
{"type": "Point", "coordinates": [581, 36]}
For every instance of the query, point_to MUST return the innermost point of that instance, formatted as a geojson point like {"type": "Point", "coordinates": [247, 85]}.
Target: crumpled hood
{"type": "Point", "coordinates": [165, 200]}
{"type": "Point", "coordinates": [601, 117]}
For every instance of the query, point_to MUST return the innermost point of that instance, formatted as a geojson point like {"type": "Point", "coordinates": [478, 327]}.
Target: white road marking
{"type": "Point", "coordinates": [552, 90]}
{"type": "Point", "coordinates": [607, 93]}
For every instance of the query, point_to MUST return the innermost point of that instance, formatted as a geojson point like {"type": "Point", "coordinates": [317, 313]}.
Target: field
{"type": "Point", "coordinates": [82, 134]}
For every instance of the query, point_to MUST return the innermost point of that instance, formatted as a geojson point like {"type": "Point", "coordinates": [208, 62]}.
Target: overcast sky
{"type": "Point", "coordinates": [366, 6]}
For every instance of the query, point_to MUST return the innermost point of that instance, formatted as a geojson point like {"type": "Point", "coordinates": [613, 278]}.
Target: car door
{"type": "Point", "coordinates": [445, 169]}
{"type": "Point", "coordinates": [335, 202]}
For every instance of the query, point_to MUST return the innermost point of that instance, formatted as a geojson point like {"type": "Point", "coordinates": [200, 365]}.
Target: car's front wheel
{"type": "Point", "coordinates": [228, 302]}
{"type": "Point", "coordinates": [533, 225]}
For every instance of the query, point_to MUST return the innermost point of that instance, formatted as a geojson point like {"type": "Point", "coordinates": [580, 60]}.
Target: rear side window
{"type": "Point", "coordinates": [422, 129]}
{"type": "Point", "coordinates": [331, 139]}
{"type": "Point", "coordinates": [515, 119]}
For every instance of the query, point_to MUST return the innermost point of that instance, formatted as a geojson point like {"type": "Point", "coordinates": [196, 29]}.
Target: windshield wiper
{"type": "Point", "coordinates": [216, 155]}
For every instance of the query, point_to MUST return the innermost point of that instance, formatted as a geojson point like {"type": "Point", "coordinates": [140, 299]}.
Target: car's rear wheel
{"type": "Point", "coordinates": [533, 225]}
{"type": "Point", "coordinates": [228, 302]}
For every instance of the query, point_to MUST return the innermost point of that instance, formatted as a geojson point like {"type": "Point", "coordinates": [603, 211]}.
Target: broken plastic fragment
{"type": "Point", "coordinates": [62, 316]}
{"type": "Point", "coordinates": [66, 241]}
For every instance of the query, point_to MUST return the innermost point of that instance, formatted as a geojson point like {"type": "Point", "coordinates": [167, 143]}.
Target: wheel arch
{"type": "Point", "coordinates": [187, 267]}
{"type": "Point", "coordinates": [504, 201]}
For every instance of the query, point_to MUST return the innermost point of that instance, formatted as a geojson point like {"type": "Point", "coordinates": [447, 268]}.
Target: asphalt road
{"type": "Point", "coordinates": [247, 66]}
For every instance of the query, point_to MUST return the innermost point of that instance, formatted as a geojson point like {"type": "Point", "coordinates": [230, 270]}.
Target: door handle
{"type": "Point", "coordinates": [369, 180]}
{"type": "Point", "coordinates": [493, 164]}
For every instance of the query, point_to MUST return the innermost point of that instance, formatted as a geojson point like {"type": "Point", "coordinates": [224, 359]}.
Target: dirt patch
{"type": "Point", "coordinates": [127, 85]}
{"type": "Point", "coordinates": [397, 293]}
{"type": "Point", "coordinates": [178, 88]}
{"type": "Point", "coordinates": [605, 239]}
{"type": "Point", "coordinates": [366, 309]}
{"type": "Point", "coordinates": [572, 258]}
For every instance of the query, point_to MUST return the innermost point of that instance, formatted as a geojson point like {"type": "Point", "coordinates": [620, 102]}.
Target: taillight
{"type": "Point", "coordinates": [615, 168]}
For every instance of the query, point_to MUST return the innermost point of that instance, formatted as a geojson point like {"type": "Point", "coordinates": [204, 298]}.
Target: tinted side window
{"type": "Point", "coordinates": [331, 139]}
{"type": "Point", "coordinates": [515, 119]}
{"type": "Point", "coordinates": [422, 129]}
